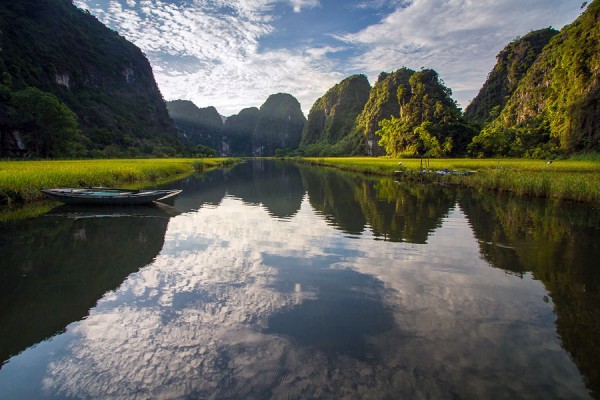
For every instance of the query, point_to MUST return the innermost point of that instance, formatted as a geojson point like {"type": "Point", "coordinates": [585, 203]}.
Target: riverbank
{"type": "Point", "coordinates": [21, 181]}
{"type": "Point", "coordinates": [571, 180]}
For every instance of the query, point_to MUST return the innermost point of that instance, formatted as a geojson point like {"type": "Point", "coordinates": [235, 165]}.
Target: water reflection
{"type": "Point", "coordinates": [393, 212]}
{"type": "Point", "coordinates": [341, 318]}
{"type": "Point", "coordinates": [293, 294]}
{"type": "Point", "coordinates": [558, 244]}
{"type": "Point", "coordinates": [54, 268]}
{"type": "Point", "coordinates": [273, 184]}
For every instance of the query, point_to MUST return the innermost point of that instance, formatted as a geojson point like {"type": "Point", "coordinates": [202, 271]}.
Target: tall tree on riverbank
{"type": "Point", "coordinates": [50, 128]}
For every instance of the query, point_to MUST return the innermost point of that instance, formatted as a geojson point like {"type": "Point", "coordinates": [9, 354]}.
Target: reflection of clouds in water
{"type": "Point", "coordinates": [190, 323]}
{"type": "Point", "coordinates": [470, 327]}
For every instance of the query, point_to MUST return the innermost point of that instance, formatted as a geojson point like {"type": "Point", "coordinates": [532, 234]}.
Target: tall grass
{"type": "Point", "coordinates": [21, 181]}
{"type": "Point", "coordinates": [573, 179]}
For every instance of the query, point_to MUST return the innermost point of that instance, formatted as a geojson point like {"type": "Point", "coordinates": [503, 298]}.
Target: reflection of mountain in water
{"type": "Point", "coordinates": [395, 212]}
{"type": "Point", "coordinates": [275, 185]}
{"type": "Point", "coordinates": [53, 269]}
{"type": "Point", "coordinates": [558, 244]}
{"type": "Point", "coordinates": [332, 194]}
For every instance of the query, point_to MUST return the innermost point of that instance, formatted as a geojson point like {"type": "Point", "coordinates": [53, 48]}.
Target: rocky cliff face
{"type": "Point", "coordinates": [104, 79]}
{"type": "Point", "coordinates": [512, 64]}
{"type": "Point", "coordinates": [556, 106]}
{"type": "Point", "coordinates": [279, 125]}
{"type": "Point", "coordinates": [239, 129]}
{"type": "Point", "coordinates": [382, 104]}
{"type": "Point", "coordinates": [333, 116]}
{"type": "Point", "coordinates": [197, 126]}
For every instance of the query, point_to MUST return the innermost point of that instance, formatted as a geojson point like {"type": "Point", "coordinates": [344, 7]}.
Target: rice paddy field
{"type": "Point", "coordinates": [572, 180]}
{"type": "Point", "coordinates": [21, 181]}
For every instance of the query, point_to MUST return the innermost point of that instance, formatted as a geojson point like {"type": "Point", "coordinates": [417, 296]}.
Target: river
{"type": "Point", "coordinates": [273, 280]}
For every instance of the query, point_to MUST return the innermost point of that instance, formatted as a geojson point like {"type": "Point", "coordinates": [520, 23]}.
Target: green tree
{"type": "Point", "coordinates": [50, 128]}
{"type": "Point", "coordinates": [430, 144]}
{"type": "Point", "coordinates": [397, 137]}
{"type": "Point", "coordinates": [429, 121]}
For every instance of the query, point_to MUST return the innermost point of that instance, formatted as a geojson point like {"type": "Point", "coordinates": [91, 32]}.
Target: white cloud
{"type": "Point", "coordinates": [298, 5]}
{"type": "Point", "coordinates": [208, 52]}
{"type": "Point", "coordinates": [192, 323]}
{"type": "Point", "coordinates": [457, 38]}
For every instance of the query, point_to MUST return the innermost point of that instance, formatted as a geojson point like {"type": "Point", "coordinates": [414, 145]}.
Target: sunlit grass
{"type": "Point", "coordinates": [577, 180]}
{"type": "Point", "coordinates": [21, 181]}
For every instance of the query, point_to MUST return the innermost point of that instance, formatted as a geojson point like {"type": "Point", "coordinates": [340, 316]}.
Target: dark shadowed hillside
{"type": "Point", "coordinates": [94, 94]}
{"type": "Point", "coordinates": [239, 129]}
{"type": "Point", "coordinates": [279, 125]}
{"type": "Point", "coordinates": [197, 126]}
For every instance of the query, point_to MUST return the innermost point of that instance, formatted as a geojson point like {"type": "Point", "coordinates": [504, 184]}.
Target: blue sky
{"type": "Point", "coordinates": [233, 54]}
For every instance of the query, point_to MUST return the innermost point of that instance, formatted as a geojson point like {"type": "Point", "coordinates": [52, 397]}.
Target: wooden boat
{"type": "Point", "coordinates": [108, 196]}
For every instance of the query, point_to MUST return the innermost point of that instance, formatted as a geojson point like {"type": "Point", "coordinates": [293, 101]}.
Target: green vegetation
{"type": "Point", "coordinates": [565, 180]}
{"type": "Point", "coordinates": [382, 104]}
{"type": "Point", "coordinates": [429, 122]}
{"type": "Point", "coordinates": [50, 127]}
{"type": "Point", "coordinates": [513, 63]}
{"type": "Point", "coordinates": [554, 108]}
{"type": "Point", "coordinates": [71, 65]}
{"type": "Point", "coordinates": [331, 119]}
{"type": "Point", "coordinates": [20, 181]}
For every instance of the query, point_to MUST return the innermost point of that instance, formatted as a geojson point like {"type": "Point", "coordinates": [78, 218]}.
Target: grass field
{"type": "Point", "coordinates": [21, 181]}
{"type": "Point", "coordinates": [575, 180]}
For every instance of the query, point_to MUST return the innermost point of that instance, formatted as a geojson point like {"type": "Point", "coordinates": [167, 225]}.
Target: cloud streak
{"type": "Point", "coordinates": [460, 39]}
{"type": "Point", "coordinates": [208, 51]}
{"type": "Point", "coordinates": [211, 52]}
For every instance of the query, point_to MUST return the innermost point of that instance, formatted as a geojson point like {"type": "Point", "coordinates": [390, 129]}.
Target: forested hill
{"type": "Point", "coordinates": [555, 108]}
{"type": "Point", "coordinates": [428, 121]}
{"type": "Point", "coordinates": [512, 64]}
{"type": "Point", "coordinates": [71, 87]}
{"type": "Point", "coordinates": [381, 104]}
{"type": "Point", "coordinates": [332, 117]}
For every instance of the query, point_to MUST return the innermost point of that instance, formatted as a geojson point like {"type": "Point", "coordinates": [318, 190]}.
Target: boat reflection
{"type": "Point", "coordinates": [54, 268]}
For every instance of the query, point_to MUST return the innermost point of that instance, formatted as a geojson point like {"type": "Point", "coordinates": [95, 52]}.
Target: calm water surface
{"type": "Point", "coordinates": [278, 281]}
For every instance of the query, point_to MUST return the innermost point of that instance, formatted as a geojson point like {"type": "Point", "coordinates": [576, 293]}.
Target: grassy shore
{"type": "Point", "coordinates": [21, 181]}
{"type": "Point", "coordinates": [574, 180]}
